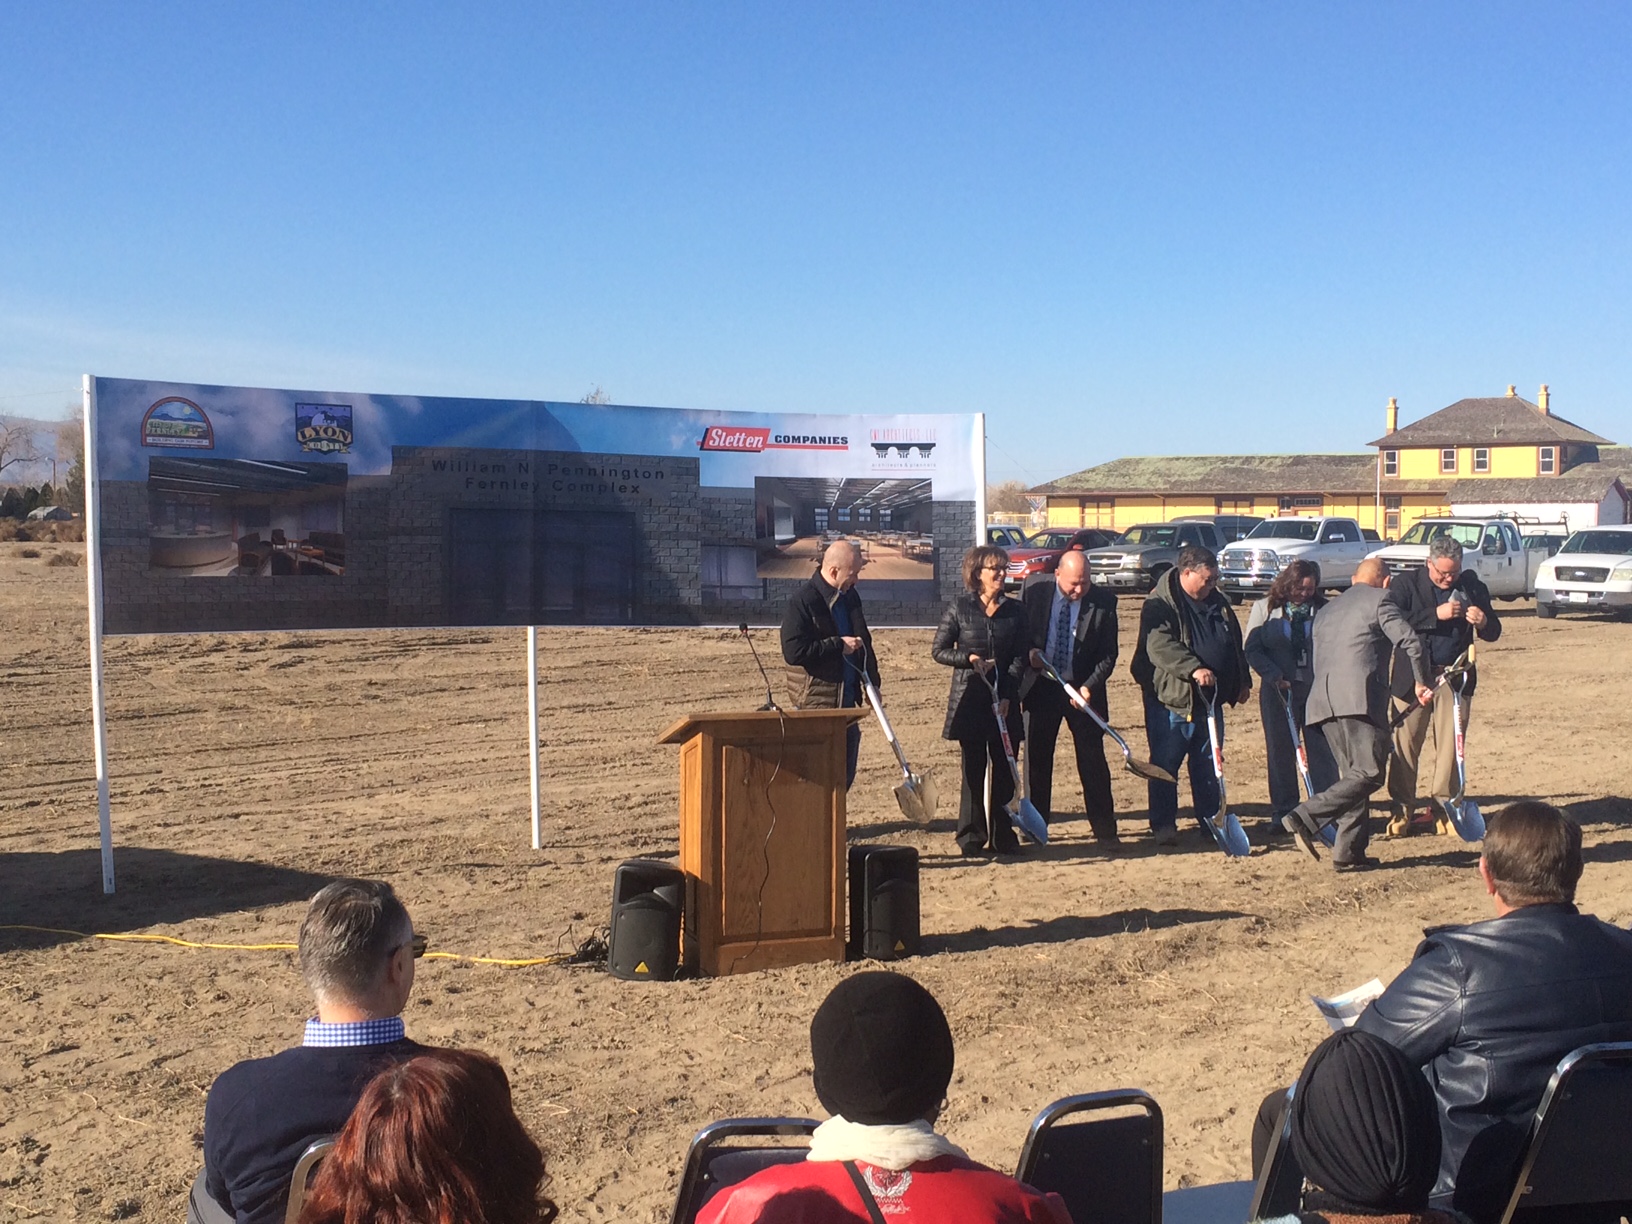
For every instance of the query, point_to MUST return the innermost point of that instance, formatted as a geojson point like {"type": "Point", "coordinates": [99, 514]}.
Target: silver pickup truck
{"type": "Point", "coordinates": [1142, 554]}
{"type": "Point", "coordinates": [1335, 546]}
{"type": "Point", "coordinates": [1491, 548]}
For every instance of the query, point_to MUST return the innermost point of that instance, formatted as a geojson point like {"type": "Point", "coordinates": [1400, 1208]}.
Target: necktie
{"type": "Point", "coordinates": [1061, 658]}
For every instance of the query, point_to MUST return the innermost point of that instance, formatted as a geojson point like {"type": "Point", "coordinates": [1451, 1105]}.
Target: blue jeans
{"type": "Point", "coordinates": [1174, 738]}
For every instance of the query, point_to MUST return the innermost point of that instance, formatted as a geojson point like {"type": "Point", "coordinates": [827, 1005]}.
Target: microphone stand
{"type": "Point", "coordinates": [770, 699]}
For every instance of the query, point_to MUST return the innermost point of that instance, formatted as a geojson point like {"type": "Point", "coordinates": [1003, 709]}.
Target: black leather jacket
{"type": "Point", "coordinates": [1489, 1010]}
{"type": "Point", "coordinates": [1005, 636]}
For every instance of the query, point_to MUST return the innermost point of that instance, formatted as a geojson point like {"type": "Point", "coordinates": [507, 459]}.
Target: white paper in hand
{"type": "Point", "coordinates": [1341, 1011]}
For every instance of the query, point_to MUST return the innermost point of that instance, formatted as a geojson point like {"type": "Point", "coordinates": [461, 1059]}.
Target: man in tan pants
{"type": "Point", "coordinates": [1447, 606]}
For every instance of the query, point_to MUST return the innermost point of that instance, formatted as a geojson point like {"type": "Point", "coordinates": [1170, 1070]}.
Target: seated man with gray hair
{"type": "Point", "coordinates": [357, 953]}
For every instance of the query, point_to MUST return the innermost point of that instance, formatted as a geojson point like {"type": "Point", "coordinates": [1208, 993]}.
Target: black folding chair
{"type": "Point", "coordinates": [1577, 1164]}
{"type": "Point", "coordinates": [729, 1151]}
{"type": "Point", "coordinates": [1279, 1190]}
{"type": "Point", "coordinates": [315, 1151]}
{"type": "Point", "coordinates": [1107, 1167]}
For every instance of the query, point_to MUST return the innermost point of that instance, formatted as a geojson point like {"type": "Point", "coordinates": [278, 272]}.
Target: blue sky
{"type": "Point", "coordinates": [1140, 229]}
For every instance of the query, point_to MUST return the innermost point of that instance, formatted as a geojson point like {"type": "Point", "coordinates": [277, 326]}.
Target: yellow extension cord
{"type": "Point", "coordinates": [559, 958]}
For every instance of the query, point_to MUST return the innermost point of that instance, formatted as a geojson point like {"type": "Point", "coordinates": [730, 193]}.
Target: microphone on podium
{"type": "Point", "coordinates": [770, 699]}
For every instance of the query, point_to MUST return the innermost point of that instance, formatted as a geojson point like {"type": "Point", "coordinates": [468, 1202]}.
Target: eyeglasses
{"type": "Point", "coordinates": [420, 944]}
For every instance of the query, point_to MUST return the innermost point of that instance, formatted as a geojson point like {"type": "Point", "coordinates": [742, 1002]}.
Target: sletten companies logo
{"type": "Point", "coordinates": [719, 438]}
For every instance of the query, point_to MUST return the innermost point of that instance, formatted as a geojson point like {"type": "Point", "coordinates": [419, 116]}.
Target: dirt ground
{"type": "Point", "coordinates": [248, 769]}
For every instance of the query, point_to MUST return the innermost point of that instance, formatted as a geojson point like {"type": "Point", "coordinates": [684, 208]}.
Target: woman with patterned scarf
{"type": "Point", "coordinates": [881, 1054]}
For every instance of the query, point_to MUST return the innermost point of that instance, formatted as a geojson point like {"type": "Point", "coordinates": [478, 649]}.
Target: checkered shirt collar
{"type": "Point", "coordinates": [354, 1033]}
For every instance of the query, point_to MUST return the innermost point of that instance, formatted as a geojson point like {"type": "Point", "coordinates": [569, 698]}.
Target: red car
{"type": "Point", "coordinates": [1042, 552]}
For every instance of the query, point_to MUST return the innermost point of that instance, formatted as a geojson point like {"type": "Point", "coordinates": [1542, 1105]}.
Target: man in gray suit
{"type": "Point", "coordinates": [1355, 636]}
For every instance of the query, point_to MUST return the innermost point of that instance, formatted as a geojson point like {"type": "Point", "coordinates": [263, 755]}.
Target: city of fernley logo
{"type": "Point", "coordinates": [323, 427]}
{"type": "Point", "coordinates": [174, 421]}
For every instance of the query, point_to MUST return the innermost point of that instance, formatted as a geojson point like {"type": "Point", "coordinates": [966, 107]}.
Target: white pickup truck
{"type": "Point", "coordinates": [1491, 548]}
{"type": "Point", "coordinates": [1336, 546]}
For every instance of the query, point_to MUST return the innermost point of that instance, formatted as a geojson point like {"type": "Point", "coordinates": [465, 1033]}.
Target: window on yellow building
{"type": "Point", "coordinates": [1481, 459]}
{"type": "Point", "coordinates": [1391, 463]}
{"type": "Point", "coordinates": [1391, 516]}
{"type": "Point", "coordinates": [1447, 459]}
{"type": "Point", "coordinates": [1549, 460]}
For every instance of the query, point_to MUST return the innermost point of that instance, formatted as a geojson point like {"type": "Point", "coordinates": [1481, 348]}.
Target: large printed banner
{"type": "Point", "coordinates": [225, 508]}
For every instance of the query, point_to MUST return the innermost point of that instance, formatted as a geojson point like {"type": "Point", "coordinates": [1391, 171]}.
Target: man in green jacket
{"type": "Point", "coordinates": [1189, 653]}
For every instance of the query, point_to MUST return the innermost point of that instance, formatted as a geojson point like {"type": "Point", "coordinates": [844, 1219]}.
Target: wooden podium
{"type": "Point", "coordinates": [762, 837]}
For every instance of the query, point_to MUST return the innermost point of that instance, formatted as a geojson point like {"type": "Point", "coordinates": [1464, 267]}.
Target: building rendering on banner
{"type": "Point", "coordinates": [228, 508]}
{"type": "Point", "coordinates": [1483, 456]}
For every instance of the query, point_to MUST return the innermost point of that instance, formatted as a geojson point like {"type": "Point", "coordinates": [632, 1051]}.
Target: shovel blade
{"type": "Point", "coordinates": [1466, 819]}
{"type": "Point", "coordinates": [916, 796]}
{"type": "Point", "coordinates": [1328, 834]}
{"type": "Point", "coordinates": [1148, 770]}
{"type": "Point", "coordinates": [1030, 820]}
{"type": "Point", "coordinates": [1232, 838]}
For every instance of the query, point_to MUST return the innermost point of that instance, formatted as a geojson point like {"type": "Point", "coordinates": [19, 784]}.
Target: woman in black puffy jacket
{"type": "Point", "coordinates": [984, 637]}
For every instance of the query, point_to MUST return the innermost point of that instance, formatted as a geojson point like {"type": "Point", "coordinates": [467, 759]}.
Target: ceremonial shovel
{"type": "Point", "coordinates": [1227, 832]}
{"type": "Point", "coordinates": [915, 792]}
{"type": "Point", "coordinates": [1327, 833]}
{"type": "Point", "coordinates": [1022, 811]}
{"type": "Point", "coordinates": [1134, 765]}
{"type": "Point", "coordinates": [1466, 818]}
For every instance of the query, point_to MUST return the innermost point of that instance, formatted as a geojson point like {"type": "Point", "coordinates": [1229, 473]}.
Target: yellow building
{"type": "Point", "coordinates": [1483, 456]}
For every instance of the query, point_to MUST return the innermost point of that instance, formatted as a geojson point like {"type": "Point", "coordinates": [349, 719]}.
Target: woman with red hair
{"type": "Point", "coordinates": [433, 1140]}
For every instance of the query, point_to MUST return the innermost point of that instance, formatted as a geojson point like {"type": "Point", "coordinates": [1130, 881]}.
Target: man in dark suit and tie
{"type": "Point", "coordinates": [1076, 624]}
{"type": "Point", "coordinates": [1355, 635]}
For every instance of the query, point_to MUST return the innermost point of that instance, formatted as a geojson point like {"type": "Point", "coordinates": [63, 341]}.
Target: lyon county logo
{"type": "Point", "coordinates": [323, 427]}
{"type": "Point", "coordinates": [174, 421]}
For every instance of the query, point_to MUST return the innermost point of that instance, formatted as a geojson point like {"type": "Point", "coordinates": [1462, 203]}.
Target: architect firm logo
{"type": "Point", "coordinates": [323, 427]}
{"type": "Point", "coordinates": [901, 443]}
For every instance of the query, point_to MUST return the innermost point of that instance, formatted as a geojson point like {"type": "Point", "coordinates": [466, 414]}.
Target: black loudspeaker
{"type": "Point", "coordinates": [883, 903]}
{"type": "Point", "coordinates": [648, 897]}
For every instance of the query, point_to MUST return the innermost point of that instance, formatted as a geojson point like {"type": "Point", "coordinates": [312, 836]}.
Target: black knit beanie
{"type": "Point", "coordinates": [881, 1050]}
{"type": "Point", "coordinates": [1365, 1128]}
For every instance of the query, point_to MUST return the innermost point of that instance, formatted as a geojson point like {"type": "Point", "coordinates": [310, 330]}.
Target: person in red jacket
{"type": "Point", "coordinates": [881, 1053]}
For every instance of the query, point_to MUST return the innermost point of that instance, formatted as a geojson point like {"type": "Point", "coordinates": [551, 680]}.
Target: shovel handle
{"type": "Point", "coordinates": [877, 703]}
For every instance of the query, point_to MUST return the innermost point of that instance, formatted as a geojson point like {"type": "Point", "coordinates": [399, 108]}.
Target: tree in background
{"type": "Point", "coordinates": [596, 396]}
{"type": "Point", "coordinates": [11, 504]}
{"type": "Point", "coordinates": [31, 501]}
{"type": "Point", "coordinates": [16, 443]}
{"type": "Point", "coordinates": [71, 441]}
{"type": "Point", "coordinates": [47, 495]}
{"type": "Point", "coordinates": [1007, 498]}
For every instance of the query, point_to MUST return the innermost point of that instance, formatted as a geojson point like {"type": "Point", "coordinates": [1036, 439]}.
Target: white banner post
{"type": "Point", "coordinates": [93, 582]}
{"type": "Point", "coordinates": [532, 722]}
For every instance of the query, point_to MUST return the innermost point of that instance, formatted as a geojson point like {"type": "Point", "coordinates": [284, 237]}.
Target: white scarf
{"type": "Point", "coordinates": [893, 1146]}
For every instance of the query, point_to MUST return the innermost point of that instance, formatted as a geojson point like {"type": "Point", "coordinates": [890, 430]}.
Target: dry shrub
{"type": "Point", "coordinates": [63, 558]}
{"type": "Point", "coordinates": [10, 529]}
{"type": "Point", "coordinates": [71, 532]}
{"type": "Point", "coordinates": [31, 553]}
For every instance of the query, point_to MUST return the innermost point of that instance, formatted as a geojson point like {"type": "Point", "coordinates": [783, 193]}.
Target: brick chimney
{"type": "Point", "coordinates": [1541, 400]}
{"type": "Point", "coordinates": [1511, 391]}
{"type": "Point", "coordinates": [1393, 414]}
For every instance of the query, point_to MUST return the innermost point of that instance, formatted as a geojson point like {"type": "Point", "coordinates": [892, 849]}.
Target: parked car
{"type": "Point", "coordinates": [1491, 547]}
{"type": "Point", "coordinates": [1552, 541]}
{"type": "Point", "coordinates": [1371, 535]}
{"type": "Point", "coordinates": [1230, 526]}
{"type": "Point", "coordinates": [1142, 554]}
{"type": "Point", "coordinates": [1592, 572]}
{"type": "Point", "coordinates": [1043, 551]}
{"type": "Point", "coordinates": [1335, 546]}
{"type": "Point", "coordinates": [1005, 537]}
